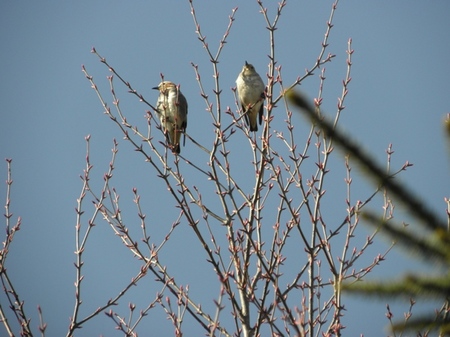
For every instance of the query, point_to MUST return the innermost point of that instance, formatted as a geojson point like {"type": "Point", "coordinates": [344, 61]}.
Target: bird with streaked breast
{"type": "Point", "coordinates": [172, 110]}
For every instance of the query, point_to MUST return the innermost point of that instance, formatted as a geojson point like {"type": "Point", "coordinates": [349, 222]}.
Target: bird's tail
{"type": "Point", "coordinates": [252, 119]}
{"type": "Point", "coordinates": [175, 138]}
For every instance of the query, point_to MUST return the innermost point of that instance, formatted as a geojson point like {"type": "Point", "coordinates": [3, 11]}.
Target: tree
{"type": "Point", "coordinates": [431, 242]}
{"type": "Point", "coordinates": [277, 254]}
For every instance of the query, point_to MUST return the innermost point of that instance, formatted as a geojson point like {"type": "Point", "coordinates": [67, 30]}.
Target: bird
{"type": "Point", "coordinates": [172, 110]}
{"type": "Point", "coordinates": [250, 88]}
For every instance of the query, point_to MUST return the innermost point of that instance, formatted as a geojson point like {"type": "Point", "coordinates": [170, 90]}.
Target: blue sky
{"type": "Point", "coordinates": [399, 94]}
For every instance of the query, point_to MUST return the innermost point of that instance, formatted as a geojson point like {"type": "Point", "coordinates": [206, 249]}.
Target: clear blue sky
{"type": "Point", "coordinates": [399, 94]}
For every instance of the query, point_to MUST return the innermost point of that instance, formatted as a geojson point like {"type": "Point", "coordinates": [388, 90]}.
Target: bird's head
{"type": "Point", "coordinates": [164, 86]}
{"type": "Point", "coordinates": [248, 69]}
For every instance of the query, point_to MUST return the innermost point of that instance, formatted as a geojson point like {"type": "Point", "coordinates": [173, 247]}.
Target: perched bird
{"type": "Point", "coordinates": [250, 89]}
{"type": "Point", "coordinates": [172, 109]}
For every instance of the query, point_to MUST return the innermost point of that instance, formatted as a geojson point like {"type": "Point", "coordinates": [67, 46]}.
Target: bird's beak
{"type": "Point", "coordinates": [155, 88]}
{"type": "Point", "coordinates": [246, 63]}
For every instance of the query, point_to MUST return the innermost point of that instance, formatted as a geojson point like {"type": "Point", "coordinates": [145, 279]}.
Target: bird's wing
{"type": "Point", "coordinates": [182, 112]}
{"type": "Point", "coordinates": [261, 109]}
{"type": "Point", "coordinates": [247, 119]}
